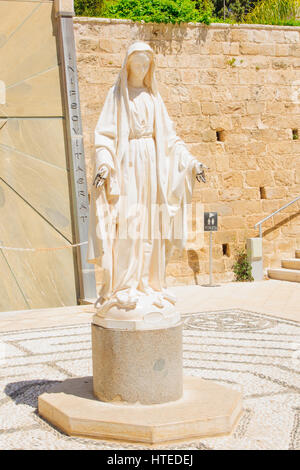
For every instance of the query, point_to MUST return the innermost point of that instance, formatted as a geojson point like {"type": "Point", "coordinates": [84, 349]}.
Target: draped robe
{"type": "Point", "coordinates": [150, 167]}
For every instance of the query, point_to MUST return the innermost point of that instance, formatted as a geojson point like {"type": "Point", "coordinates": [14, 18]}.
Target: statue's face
{"type": "Point", "coordinates": [139, 63]}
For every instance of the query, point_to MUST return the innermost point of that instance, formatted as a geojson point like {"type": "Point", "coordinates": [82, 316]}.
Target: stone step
{"type": "Point", "coordinates": [291, 263]}
{"type": "Point", "coordinates": [283, 274]}
{"type": "Point", "coordinates": [297, 253]}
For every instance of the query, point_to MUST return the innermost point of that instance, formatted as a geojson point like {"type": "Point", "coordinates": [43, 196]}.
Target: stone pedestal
{"type": "Point", "coordinates": [137, 392]}
{"type": "Point", "coordinates": [143, 366]}
{"type": "Point", "coordinates": [205, 409]}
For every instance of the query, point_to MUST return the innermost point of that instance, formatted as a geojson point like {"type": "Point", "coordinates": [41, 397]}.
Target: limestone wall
{"type": "Point", "coordinates": [240, 80]}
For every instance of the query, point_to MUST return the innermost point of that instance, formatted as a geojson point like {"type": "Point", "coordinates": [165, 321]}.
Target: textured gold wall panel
{"type": "Point", "coordinates": [42, 185]}
{"type": "Point", "coordinates": [13, 21]}
{"type": "Point", "coordinates": [30, 135]}
{"type": "Point", "coordinates": [34, 185]}
{"type": "Point", "coordinates": [11, 297]}
{"type": "Point", "coordinates": [45, 279]}
{"type": "Point", "coordinates": [36, 96]}
{"type": "Point", "coordinates": [36, 43]}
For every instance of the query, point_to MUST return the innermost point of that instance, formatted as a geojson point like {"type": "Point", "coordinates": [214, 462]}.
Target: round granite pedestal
{"type": "Point", "coordinates": [138, 393]}
{"type": "Point", "coordinates": [141, 366]}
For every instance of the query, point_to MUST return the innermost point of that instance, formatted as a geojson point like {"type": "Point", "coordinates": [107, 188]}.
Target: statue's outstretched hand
{"type": "Point", "coordinates": [101, 176]}
{"type": "Point", "coordinates": [199, 168]}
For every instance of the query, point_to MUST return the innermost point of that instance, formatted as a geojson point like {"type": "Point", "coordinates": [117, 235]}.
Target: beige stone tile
{"type": "Point", "coordinates": [43, 186]}
{"type": "Point", "coordinates": [45, 278]}
{"type": "Point", "coordinates": [190, 299]}
{"type": "Point", "coordinates": [32, 47]}
{"type": "Point", "coordinates": [47, 317]}
{"type": "Point", "coordinates": [13, 21]}
{"type": "Point", "coordinates": [41, 138]}
{"type": "Point", "coordinates": [278, 298]}
{"type": "Point", "coordinates": [37, 96]}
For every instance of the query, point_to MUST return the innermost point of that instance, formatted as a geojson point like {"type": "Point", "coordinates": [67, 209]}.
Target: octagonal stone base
{"type": "Point", "coordinates": [205, 409]}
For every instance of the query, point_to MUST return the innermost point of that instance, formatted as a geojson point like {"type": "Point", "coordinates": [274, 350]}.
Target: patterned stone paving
{"type": "Point", "coordinates": [257, 353]}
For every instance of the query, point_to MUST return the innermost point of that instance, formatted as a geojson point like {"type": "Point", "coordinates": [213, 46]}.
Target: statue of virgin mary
{"type": "Point", "coordinates": [144, 176]}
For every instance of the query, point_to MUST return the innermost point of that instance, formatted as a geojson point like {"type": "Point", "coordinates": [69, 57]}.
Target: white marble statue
{"type": "Point", "coordinates": [144, 176]}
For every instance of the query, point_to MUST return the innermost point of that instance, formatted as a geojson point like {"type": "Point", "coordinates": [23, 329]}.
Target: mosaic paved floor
{"type": "Point", "coordinates": [257, 353]}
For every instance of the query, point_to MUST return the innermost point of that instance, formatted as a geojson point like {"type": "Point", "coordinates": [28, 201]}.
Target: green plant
{"type": "Point", "coordinates": [88, 7]}
{"type": "Point", "coordinates": [274, 12]}
{"type": "Point", "coordinates": [231, 62]}
{"type": "Point", "coordinates": [242, 268]}
{"type": "Point", "coordinates": [234, 9]}
{"type": "Point", "coordinates": [160, 11]}
{"type": "Point", "coordinates": [281, 12]}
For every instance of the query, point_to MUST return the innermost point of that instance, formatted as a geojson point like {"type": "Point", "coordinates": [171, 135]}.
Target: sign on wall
{"type": "Point", "coordinates": [210, 221]}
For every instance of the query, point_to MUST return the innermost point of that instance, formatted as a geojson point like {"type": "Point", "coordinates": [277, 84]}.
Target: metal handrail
{"type": "Point", "coordinates": [276, 212]}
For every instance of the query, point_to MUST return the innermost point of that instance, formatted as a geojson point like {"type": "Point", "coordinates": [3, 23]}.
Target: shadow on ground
{"type": "Point", "coordinates": [27, 392]}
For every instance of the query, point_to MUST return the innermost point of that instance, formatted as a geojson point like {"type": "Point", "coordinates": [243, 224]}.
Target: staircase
{"type": "Point", "coordinates": [290, 270]}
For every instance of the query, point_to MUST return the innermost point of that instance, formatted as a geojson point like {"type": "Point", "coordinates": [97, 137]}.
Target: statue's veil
{"type": "Point", "coordinates": [149, 80]}
{"type": "Point", "coordinates": [121, 85]}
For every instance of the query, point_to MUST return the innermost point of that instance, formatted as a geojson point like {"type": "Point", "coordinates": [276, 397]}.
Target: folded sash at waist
{"type": "Point", "coordinates": [144, 136]}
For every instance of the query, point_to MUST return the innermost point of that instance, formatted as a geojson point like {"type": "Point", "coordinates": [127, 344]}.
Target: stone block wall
{"type": "Point", "coordinates": [233, 92]}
